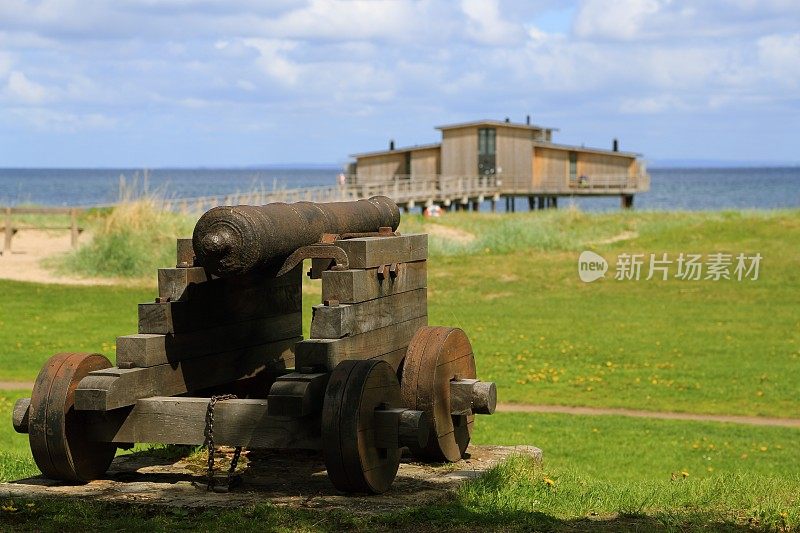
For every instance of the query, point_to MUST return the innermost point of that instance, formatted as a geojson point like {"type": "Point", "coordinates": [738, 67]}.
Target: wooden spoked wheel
{"type": "Point", "coordinates": [56, 431]}
{"type": "Point", "coordinates": [355, 390]}
{"type": "Point", "coordinates": [437, 355]}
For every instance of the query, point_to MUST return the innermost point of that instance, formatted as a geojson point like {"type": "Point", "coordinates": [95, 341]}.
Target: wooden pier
{"type": "Point", "coordinates": [409, 192]}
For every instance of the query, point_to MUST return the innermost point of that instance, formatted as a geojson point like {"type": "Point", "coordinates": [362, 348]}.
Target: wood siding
{"type": "Point", "coordinates": [514, 158]}
{"type": "Point", "coordinates": [380, 167]}
{"type": "Point", "coordinates": [605, 165]}
{"type": "Point", "coordinates": [460, 152]}
{"type": "Point", "coordinates": [549, 166]}
{"type": "Point", "coordinates": [426, 162]}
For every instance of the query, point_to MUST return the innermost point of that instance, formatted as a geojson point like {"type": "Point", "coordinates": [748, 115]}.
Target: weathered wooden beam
{"type": "Point", "coordinates": [470, 396]}
{"type": "Point", "coordinates": [173, 283]}
{"type": "Point", "coordinates": [20, 414]}
{"type": "Point", "coordinates": [182, 421]}
{"type": "Point", "coordinates": [195, 314]}
{"type": "Point", "coordinates": [185, 253]}
{"type": "Point", "coordinates": [297, 394]}
{"type": "Point", "coordinates": [325, 354]}
{"type": "Point", "coordinates": [340, 320]}
{"type": "Point", "coordinates": [151, 349]}
{"type": "Point", "coordinates": [369, 252]}
{"type": "Point", "coordinates": [357, 285]}
{"type": "Point", "coordinates": [115, 387]}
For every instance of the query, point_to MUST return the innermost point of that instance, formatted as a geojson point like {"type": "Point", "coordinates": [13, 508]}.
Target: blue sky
{"type": "Point", "coordinates": [199, 83]}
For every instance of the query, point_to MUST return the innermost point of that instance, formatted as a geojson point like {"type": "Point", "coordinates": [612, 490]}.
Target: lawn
{"type": "Point", "coordinates": [510, 281]}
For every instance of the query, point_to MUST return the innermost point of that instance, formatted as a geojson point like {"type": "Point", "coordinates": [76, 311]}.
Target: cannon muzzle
{"type": "Point", "coordinates": [233, 240]}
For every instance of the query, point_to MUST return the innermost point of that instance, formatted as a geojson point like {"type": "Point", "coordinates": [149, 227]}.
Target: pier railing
{"type": "Point", "coordinates": [423, 189]}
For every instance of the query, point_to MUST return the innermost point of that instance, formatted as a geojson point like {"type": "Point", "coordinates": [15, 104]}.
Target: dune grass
{"type": "Point", "coordinates": [129, 241]}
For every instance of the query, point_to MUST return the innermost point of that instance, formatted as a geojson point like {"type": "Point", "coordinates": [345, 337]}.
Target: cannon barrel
{"type": "Point", "coordinates": [233, 240]}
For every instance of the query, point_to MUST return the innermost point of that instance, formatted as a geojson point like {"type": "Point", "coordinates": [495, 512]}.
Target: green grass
{"type": "Point", "coordinates": [15, 455]}
{"type": "Point", "coordinates": [722, 347]}
{"type": "Point", "coordinates": [37, 321]}
{"type": "Point", "coordinates": [711, 347]}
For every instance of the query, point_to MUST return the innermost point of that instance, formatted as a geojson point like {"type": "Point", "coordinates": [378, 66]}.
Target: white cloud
{"type": "Point", "coordinates": [779, 55]}
{"type": "Point", "coordinates": [48, 120]}
{"type": "Point", "coordinates": [273, 60]}
{"type": "Point", "coordinates": [382, 62]}
{"type": "Point", "coordinates": [486, 24]}
{"type": "Point", "coordinates": [21, 89]}
{"type": "Point", "coordinates": [6, 62]}
{"type": "Point", "coordinates": [620, 19]}
{"type": "Point", "coordinates": [652, 104]}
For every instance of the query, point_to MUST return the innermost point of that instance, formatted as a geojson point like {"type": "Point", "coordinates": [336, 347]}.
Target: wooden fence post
{"type": "Point", "coordinates": [73, 227]}
{"type": "Point", "coordinates": [9, 232]}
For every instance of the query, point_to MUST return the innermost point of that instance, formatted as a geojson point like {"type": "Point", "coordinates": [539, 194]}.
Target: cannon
{"type": "Point", "coordinates": [219, 357]}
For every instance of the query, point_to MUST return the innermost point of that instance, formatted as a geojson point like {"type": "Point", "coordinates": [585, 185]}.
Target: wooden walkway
{"type": "Point", "coordinates": [410, 192]}
{"type": "Point", "coordinates": [407, 191]}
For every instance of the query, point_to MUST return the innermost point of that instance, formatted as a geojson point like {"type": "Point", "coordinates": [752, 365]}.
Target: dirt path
{"type": "Point", "coordinates": [16, 385]}
{"type": "Point", "coordinates": [664, 415]}
{"type": "Point", "coordinates": [28, 249]}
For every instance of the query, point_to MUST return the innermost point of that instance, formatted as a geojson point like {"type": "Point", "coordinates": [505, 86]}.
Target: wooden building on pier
{"type": "Point", "coordinates": [490, 159]}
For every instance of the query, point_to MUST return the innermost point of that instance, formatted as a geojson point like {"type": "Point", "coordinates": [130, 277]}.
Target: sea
{"type": "Point", "coordinates": [693, 189]}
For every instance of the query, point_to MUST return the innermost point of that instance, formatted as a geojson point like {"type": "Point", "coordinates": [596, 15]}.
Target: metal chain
{"type": "Point", "coordinates": [209, 441]}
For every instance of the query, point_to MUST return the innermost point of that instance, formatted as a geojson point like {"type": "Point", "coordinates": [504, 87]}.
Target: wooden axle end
{"type": "Point", "coordinates": [19, 415]}
{"type": "Point", "coordinates": [395, 428]}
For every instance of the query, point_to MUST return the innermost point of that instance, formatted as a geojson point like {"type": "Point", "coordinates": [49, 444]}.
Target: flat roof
{"type": "Point", "coordinates": [398, 150]}
{"type": "Point", "coordinates": [545, 144]}
{"type": "Point", "coordinates": [489, 122]}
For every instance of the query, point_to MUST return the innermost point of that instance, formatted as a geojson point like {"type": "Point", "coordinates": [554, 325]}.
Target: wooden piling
{"type": "Point", "coordinates": [626, 201]}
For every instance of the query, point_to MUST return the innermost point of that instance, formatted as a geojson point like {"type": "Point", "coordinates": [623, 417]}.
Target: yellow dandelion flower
{"type": "Point", "coordinates": [685, 474]}
{"type": "Point", "coordinates": [549, 482]}
{"type": "Point", "coordinates": [763, 448]}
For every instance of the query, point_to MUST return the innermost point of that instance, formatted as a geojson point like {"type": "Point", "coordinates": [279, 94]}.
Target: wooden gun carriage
{"type": "Point", "coordinates": [372, 379]}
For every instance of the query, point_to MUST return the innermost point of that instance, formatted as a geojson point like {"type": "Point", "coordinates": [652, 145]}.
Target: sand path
{"type": "Point", "coordinates": [30, 247]}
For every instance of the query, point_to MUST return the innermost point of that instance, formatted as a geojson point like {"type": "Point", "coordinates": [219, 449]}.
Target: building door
{"type": "Point", "coordinates": [486, 151]}
{"type": "Point", "coordinates": [573, 169]}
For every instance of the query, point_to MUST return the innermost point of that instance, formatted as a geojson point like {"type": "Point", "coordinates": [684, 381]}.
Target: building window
{"type": "Point", "coordinates": [486, 151]}
{"type": "Point", "coordinates": [486, 141]}
{"type": "Point", "coordinates": [573, 166]}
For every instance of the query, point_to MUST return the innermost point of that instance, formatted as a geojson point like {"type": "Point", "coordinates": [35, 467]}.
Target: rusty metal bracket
{"type": "Point", "coordinates": [390, 270]}
{"type": "Point", "coordinates": [316, 251]}
{"type": "Point", "coordinates": [383, 231]}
